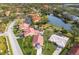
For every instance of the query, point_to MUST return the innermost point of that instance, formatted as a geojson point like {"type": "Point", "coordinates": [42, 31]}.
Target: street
{"type": "Point", "coordinates": [13, 41]}
{"type": "Point", "coordinates": [12, 38]}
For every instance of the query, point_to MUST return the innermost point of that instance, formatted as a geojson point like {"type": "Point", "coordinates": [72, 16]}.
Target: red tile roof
{"type": "Point", "coordinates": [29, 31]}
{"type": "Point", "coordinates": [35, 17]}
{"type": "Point", "coordinates": [38, 39]}
{"type": "Point", "coordinates": [23, 26]}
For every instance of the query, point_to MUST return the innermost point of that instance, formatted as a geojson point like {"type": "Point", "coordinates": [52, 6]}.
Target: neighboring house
{"type": "Point", "coordinates": [74, 50]}
{"type": "Point", "coordinates": [75, 18]}
{"type": "Point", "coordinates": [59, 40]}
{"type": "Point", "coordinates": [71, 17]}
{"type": "Point", "coordinates": [35, 17]}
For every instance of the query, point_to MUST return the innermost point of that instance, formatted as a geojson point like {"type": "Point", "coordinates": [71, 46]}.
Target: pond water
{"type": "Point", "coordinates": [58, 22]}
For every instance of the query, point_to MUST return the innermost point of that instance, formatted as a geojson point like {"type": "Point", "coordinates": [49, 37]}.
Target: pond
{"type": "Point", "coordinates": [58, 22]}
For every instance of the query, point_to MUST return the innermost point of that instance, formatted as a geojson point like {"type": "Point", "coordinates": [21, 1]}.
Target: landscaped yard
{"type": "Point", "coordinates": [26, 46]}
{"type": "Point", "coordinates": [49, 48]}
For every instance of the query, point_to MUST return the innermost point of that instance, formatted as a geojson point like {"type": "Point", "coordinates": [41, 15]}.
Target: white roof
{"type": "Point", "coordinates": [59, 40]}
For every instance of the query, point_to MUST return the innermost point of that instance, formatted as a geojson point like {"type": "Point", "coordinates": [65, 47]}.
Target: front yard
{"type": "Point", "coordinates": [26, 46]}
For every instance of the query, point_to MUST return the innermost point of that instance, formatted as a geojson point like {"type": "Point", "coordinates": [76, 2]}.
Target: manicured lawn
{"type": "Point", "coordinates": [64, 52]}
{"type": "Point", "coordinates": [28, 49]}
{"type": "Point", "coordinates": [49, 48]}
{"type": "Point", "coordinates": [26, 46]}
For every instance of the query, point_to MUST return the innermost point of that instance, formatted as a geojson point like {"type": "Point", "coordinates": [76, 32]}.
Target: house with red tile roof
{"type": "Point", "coordinates": [38, 39]}
{"type": "Point", "coordinates": [29, 31]}
{"type": "Point", "coordinates": [74, 50]}
{"type": "Point", "coordinates": [23, 26]}
{"type": "Point", "coordinates": [35, 17]}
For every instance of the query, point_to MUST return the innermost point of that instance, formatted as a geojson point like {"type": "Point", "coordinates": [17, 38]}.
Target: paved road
{"type": "Point", "coordinates": [14, 44]}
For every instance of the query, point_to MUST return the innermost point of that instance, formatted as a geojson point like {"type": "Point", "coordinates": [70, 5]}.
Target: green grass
{"type": "Point", "coordinates": [68, 46]}
{"type": "Point", "coordinates": [64, 52]}
{"type": "Point", "coordinates": [49, 48]}
{"type": "Point", "coordinates": [26, 46]}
